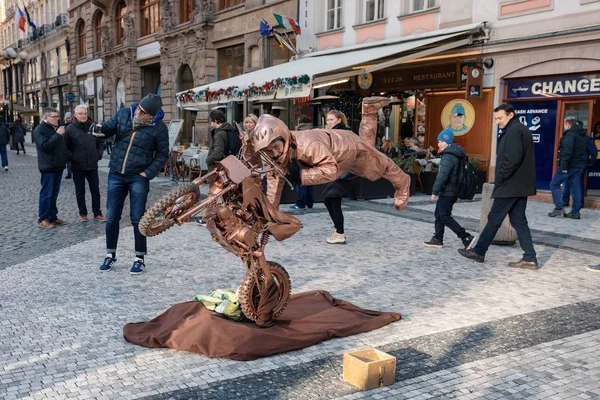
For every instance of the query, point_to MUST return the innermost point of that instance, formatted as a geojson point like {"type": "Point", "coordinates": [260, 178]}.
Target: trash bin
{"type": "Point", "coordinates": [506, 235]}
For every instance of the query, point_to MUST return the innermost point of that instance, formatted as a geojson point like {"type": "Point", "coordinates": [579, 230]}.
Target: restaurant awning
{"type": "Point", "coordinates": [25, 111]}
{"type": "Point", "coordinates": [296, 78]}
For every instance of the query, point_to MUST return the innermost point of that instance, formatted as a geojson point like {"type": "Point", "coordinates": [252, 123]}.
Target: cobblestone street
{"type": "Point", "coordinates": [469, 331]}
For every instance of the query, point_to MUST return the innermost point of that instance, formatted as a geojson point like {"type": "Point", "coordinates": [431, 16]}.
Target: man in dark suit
{"type": "Point", "coordinates": [515, 181]}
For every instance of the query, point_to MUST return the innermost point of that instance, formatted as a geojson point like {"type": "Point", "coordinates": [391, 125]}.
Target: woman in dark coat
{"type": "Point", "coordinates": [334, 191]}
{"type": "Point", "coordinates": [18, 134]}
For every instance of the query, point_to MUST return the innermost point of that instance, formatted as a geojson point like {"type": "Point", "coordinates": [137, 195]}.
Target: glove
{"type": "Point", "coordinates": [294, 175]}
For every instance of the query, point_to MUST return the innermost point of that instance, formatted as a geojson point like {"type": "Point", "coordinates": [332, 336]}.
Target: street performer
{"type": "Point", "coordinates": [318, 156]}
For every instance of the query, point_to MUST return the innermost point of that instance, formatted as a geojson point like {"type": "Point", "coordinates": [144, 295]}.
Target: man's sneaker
{"type": "Point", "coordinates": [593, 268]}
{"type": "Point", "coordinates": [434, 243]}
{"type": "Point", "coordinates": [468, 241]}
{"type": "Point", "coordinates": [6, 169]}
{"type": "Point", "coordinates": [137, 267]}
{"type": "Point", "coordinates": [295, 207]}
{"type": "Point", "coordinates": [45, 224]}
{"type": "Point", "coordinates": [336, 238]}
{"type": "Point", "coordinates": [557, 213]}
{"type": "Point", "coordinates": [471, 255]}
{"type": "Point", "coordinates": [108, 263]}
{"type": "Point", "coordinates": [572, 216]}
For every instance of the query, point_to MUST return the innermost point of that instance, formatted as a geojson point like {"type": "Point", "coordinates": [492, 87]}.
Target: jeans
{"type": "Point", "coordinates": [334, 206]}
{"type": "Point", "coordinates": [3, 155]}
{"type": "Point", "coordinates": [79, 178]}
{"type": "Point", "coordinates": [119, 186]}
{"type": "Point", "coordinates": [305, 196]}
{"type": "Point", "coordinates": [566, 189]}
{"type": "Point", "coordinates": [573, 175]}
{"type": "Point", "coordinates": [443, 218]}
{"type": "Point", "coordinates": [48, 195]}
{"type": "Point", "coordinates": [514, 207]}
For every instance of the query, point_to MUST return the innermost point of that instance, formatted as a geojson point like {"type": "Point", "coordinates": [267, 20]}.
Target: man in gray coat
{"type": "Point", "coordinates": [514, 182]}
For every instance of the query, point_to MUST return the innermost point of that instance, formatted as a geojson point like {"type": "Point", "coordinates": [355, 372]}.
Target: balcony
{"type": "Point", "coordinates": [46, 30]}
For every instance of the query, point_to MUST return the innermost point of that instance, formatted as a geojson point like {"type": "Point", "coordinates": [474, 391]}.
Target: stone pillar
{"type": "Point", "coordinates": [506, 235]}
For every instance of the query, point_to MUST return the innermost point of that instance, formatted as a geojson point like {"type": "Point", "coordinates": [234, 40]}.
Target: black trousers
{"type": "Point", "coordinates": [22, 146]}
{"type": "Point", "coordinates": [514, 207]}
{"type": "Point", "coordinates": [79, 178]}
{"type": "Point", "coordinates": [443, 218]}
{"type": "Point", "coordinates": [334, 206]}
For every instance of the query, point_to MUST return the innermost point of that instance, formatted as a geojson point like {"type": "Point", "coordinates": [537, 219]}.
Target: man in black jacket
{"type": "Point", "coordinates": [140, 151]}
{"type": "Point", "coordinates": [219, 143]}
{"type": "Point", "coordinates": [4, 140]}
{"type": "Point", "coordinates": [573, 159]}
{"type": "Point", "coordinates": [515, 181]}
{"type": "Point", "coordinates": [445, 189]}
{"type": "Point", "coordinates": [53, 155]}
{"type": "Point", "coordinates": [87, 149]}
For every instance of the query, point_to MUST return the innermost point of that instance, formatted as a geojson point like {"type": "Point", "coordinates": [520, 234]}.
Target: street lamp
{"type": "Point", "coordinates": [11, 54]}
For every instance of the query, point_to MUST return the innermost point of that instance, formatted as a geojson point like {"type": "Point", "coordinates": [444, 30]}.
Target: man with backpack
{"type": "Point", "coordinates": [224, 139]}
{"type": "Point", "coordinates": [514, 182]}
{"type": "Point", "coordinates": [446, 189]}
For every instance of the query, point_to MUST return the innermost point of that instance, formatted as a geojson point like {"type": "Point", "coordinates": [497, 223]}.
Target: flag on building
{"type": "Point", "coordinates": [20, 19]}
{"type": "Point", "coordinates": [288, 23]}
{"type": "Point", "coordinates": [29, 21]}
{"type": "Point", "coordinates": [265, 29]}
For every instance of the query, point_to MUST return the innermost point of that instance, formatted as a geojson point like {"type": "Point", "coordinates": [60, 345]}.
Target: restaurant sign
{"type": "Point", "coordinates": [587, 85]}
{"type": "Point", "coordinates": [444, 75]}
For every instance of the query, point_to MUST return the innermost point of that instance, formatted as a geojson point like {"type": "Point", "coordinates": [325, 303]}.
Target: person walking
{"type": "Point", "coordinates": [4, 140]}
{"type": "Point", "coordinates": [514, 182]}
{"type": "Point", "coordinates": [140, 151]}
{"type": "Point", "coordinates": [573, 159]}
{"type": "Point", "coordinates": [52, 153]}
{"type": "Point", "coordinates": [18, 134]}
{"type": "Point", "coordinates": [306, 194]}
{"type": "Point", "coordinates": [218, 138]}
{"type": "Point", "coordinates": [445, 189]}
{"type": "Point", "coordinates": [87, 150]}
{"type": "Point", "coordinates": [592, 152]}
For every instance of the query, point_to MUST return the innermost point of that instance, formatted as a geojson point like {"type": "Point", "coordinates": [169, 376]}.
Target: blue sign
{"type": "Point", "coordinates": [588, 85]}
{"type": "Point", "coordinates": [540, 118]}
{"type": "Point", "coordinates": [69, 97]}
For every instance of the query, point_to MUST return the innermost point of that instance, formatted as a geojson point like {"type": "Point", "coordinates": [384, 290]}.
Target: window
{"type": "Point", "coordinates": [223, 4]}
{"type": "Point", "coordinates": [334, 14]}
{"type": "Point", "coordinates": [421, 5]}
{"type": "Point", "coordinates": [277, 54]}
{"type": "Point", "coordinates": [119, 23]}
{"type": "Point", "coordinates": [38, 68]}
{"type": "Point", "coordinates": [230, 61]}
{"type": "Point", "coordinates": [186, 10]}
{"type": "Point", "coordinates": [373, 10]}
{"type": "Point", "coordinates": [52, 57]}
{"type": "Point", "coordinates": [63, 59]}
{"type": "Point", "coordinates": [98, 31]}
{"type": "Point", "coordinates": [81, 45]}
{"type": "Point", "coordinates": [149, 17]}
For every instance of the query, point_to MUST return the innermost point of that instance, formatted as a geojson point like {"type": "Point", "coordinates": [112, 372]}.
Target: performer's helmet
{"type": "Point", "coordinates": [269, 129]}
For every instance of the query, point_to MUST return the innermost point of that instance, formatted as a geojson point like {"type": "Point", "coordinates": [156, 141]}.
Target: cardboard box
{"type": "Point", "coordinates": [370, 368]}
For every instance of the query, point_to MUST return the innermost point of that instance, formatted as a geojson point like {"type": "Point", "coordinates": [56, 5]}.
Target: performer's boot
{"type": "Point", "coordinates": [369, 119]}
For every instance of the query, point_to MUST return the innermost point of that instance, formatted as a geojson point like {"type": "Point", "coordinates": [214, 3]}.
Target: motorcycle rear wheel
{"type": "Point", "coordinates": [161, 216]}
{"type": "Point", "coordinates": [249, 294]}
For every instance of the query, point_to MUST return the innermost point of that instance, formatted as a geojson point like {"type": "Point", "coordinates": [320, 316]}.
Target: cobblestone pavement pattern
{"type": "Point", "coordinates": [468, 330]}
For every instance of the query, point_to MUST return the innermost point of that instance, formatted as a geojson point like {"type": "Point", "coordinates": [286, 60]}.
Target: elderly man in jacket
{"type": "Point", "coordinates": [52, 154]}
{"type": "Point", "coordinates": [573, 159]}
{"type": "Point", "coordinates": [514, 182]}
{"type": "Point", "coordinates": [140, 151]}
{"type": "Point", "coordinates": [87, 151]}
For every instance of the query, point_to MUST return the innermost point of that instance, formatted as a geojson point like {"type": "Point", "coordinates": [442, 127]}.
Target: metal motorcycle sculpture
{"type": "Point", "coordinates": [240, 218]}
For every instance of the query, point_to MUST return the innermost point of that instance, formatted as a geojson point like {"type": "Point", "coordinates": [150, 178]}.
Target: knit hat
{"type": "Point", "coordinates": [151, 103]}
{"type": "Point", "coordinates": [68, 115]}
{"type": "Point", "coordinates": [446, 136]}
{"type": "Point", "coordinates": [458, 109]}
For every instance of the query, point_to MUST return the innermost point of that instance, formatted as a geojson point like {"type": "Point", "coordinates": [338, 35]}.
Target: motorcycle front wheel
{"type": "Point", "coordinates": [250, 296]}
{"type": "Point", "coordinates": [161, 216]}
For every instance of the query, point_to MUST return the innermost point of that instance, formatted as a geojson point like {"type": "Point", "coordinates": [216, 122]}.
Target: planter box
{"type": "Point", "coordinates": [481, 179]}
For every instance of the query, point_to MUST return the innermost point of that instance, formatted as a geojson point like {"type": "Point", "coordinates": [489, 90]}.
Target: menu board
{"type": "Point", "coordinates": [174, 129]}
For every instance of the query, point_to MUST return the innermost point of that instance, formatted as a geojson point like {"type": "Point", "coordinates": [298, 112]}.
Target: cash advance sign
{"type": "Point", "coordinates": [588, 85]}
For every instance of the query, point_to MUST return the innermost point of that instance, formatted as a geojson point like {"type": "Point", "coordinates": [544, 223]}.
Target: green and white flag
{"type": "Point", "coordinates": [288, 23]}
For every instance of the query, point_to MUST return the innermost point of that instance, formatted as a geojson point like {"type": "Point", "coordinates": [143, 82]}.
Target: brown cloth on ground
{"type": "Point", "coordinates": [309, 318]}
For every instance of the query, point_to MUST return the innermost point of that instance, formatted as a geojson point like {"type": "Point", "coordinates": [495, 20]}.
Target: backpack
{"type": "Point", "coordinates": [467, 179]}
{"type": "Point", "coordinates": [223, 301]}
{"type": "Point", "coordinates": [234, 144]}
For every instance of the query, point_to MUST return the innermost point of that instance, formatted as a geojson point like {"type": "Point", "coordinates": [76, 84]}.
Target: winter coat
{"type": "Point", "coordinates": [572, 150]}
{"type": "Point", "coordinates": [340, 187]}
{"type": "Point", "coordinates": [4, 135]}
{"type": "Point", "coordinates": [18, 132]}
{"type": "Point", "coordinates": [52, 150]}
{"type": "Point", "coordinates": [86, 148]}
{"type": "Point", "coordinates": [515, 162]}
{"type": "Point", "coordinates": [145, 150]}
{"type": "Point", "coordinates": [218, 144]}
{"type": "Point", "coordinates": [592, 151]}
{"type": "Point", "coordinates": [446, 181]}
